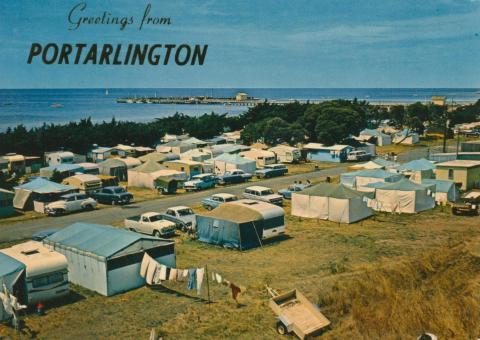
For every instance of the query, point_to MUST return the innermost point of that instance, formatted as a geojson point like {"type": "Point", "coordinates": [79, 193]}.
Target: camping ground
{"type": "Point", "coordinates": [390, 277]}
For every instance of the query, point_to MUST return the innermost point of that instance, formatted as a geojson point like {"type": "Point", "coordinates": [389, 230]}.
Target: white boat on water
{"type": "Point", "coordinates": [56, 105]}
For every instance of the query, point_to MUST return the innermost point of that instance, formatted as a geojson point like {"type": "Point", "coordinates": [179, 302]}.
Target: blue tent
{"type": "Point", "coordinates": [107, 259]}
{"type": "Point", "coordinates": [417, 165]}
{"type": "Point", "coordinates": [40, 189]}
{"type": "Point", "coordinates": [12, 275]}
{"type": "Point", "coordinates": [445, 191]}
{"type": "Point", "coordinates": [66, 170]}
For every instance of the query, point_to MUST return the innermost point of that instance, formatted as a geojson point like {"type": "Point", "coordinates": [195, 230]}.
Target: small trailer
{"type": "Point", "coordinates": [296, 314]}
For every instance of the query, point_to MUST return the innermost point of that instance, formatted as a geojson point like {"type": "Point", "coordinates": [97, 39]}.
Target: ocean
{"type": "Point", "coordinates": [34, 107]}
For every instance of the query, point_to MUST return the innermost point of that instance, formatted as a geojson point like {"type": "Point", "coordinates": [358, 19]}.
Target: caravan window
{"type": "Point", "coordinates": [47, 280]}
{"type": "Point", "coordinates": [274, 222]}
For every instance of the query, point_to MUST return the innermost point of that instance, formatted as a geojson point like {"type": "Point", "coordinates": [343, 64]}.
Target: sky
{"type": "Point", "coordinates": [268, 43]}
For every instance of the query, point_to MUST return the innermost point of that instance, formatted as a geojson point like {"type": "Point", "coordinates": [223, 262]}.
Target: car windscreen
{"type": "Point", "coordinates": [185, 212]}
{"type": "Point", "coordinates": [156, 218]}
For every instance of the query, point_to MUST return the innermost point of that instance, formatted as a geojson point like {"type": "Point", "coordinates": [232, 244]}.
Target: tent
{"type": "Point", "coordinates": [406, 137]}
{"type": "Point", "coordinates": [239, 224]}
{"type": "Point", "coordinates": [333, 202]}
{"type": "Point", "coordinates": [34, 194]}
{"type": "Point", "coordinates": [445, 191]}
{"type": "Point", "coordinates": [418, 170]}
{"type": "Point", "coordinates": [262, 157]}
{"type": "Point", "coordinates": [228, 162]}
{"type": "Point", "coordinates": [197, 155]}
{"type": "Point", "coordinates": [377, 163]}
{"type": "Point", "coordinates": [359, 179]}
{"type": "Point", "coordinates": [403, 196]}
{"type": "Point", "coordinates": [12, 275]}
{"type": "Point", "coordinates": [130, 162]}
{"type": "Point", "coordinates": [144, 176]}
{"type": "Point", "coordinates": [6, 203]}
{"type": "Point", "coordinates": [114, 167]}
{"type": "Point", "coordinates": [107, 259]}
{"type": "Point", "coordinates": [381, 138]}
{"type": "Point", "coordinates": [158, 157]}
{"type": "Point", "coordinates": [66, 170]}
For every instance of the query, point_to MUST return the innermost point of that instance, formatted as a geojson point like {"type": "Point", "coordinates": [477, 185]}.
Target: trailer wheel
{"type": "Point", "coordinates": [281, 329]}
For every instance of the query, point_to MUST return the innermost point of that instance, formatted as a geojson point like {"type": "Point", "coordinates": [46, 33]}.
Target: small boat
{"type": "Point", "coordinates": [56, 105]}
{"type": "Point", "coordinates": [106, 92]}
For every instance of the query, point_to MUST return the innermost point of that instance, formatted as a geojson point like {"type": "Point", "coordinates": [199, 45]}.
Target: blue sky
{"type": "Point", "coordinates": [268, 43]}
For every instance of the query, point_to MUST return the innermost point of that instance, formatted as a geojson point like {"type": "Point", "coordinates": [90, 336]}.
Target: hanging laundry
{"type": "Point", "coordinates": [152, 268]}
{"type": "Point", "coordinates": [167, 274]}
{"type": "Point", "coordinates": [191, 278]}
{"type": "Point", "coordinates": [200, 273]}
{"type": "Point", "coordinates": [185, 273]}
{"type": "Point", "coordinates": [213, 276]}
{"type": "Point", "coordinates": [156, 278]}
{"type": "Point", "coordinates": [163, 272]}
{"type": "Point", "coordinates": [235, 291]}
{"type": "Point", "coordinates": [144, 266]}
{"type": "Point", "coordinates": [180, 275]}
{"type": "Point", "coordinates": [218, 278]}
{"type": "Point", "coordinates": [173, 275]}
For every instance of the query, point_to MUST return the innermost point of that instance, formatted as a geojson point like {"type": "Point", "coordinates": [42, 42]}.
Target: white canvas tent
{"type": "Point", "coordinates": [227, 162]}
{"type": "Point", "coordinates": [359, 180]}
{"type": "Point", "coordinates": [403, 196]}
{"type": "Point", "coordinates": [144, 176]}
{"type": "Point", "coordinates": [333, 202]}
{"type": "Point", "coordinates": [418, 170]}
{"type": "Point", "coordinates": [445, 191]}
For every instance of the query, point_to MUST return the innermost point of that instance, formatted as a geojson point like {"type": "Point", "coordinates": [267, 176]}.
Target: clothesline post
{"type": "Point", "coordinates": [208, 283]}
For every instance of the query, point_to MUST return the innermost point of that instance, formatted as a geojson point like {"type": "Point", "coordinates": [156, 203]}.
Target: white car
{"type": "Point", "coordinates": [151, 223]}
{"type": "Point", "coordinates": [184, 215]}
{"type": "Point", "coordinates": [70, 203]}
{"type": "Point", "coordinates": [264, 194]}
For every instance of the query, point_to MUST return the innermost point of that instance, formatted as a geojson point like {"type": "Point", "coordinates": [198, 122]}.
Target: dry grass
{"type": "Point", "coordinates": [301, 168]}
{"type": "Point", "coordinates": [362, 273]}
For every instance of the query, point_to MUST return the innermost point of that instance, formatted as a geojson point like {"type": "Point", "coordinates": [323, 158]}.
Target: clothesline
{"type": "Point", "coordinates": [156, 273]}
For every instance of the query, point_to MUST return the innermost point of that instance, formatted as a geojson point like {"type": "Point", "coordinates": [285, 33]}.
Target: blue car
{"type": "Point", "coordinates": [287, 193]}
{"type": "Point", "coordinates": [41, 235]}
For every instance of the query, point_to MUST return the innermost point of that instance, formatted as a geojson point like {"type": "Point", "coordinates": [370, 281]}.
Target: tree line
{"type": "Point", "coordinates": [329, 122]}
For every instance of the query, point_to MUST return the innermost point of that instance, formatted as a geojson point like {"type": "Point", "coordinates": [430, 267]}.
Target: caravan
{"type": "Point", "coordinates": [46, 271]}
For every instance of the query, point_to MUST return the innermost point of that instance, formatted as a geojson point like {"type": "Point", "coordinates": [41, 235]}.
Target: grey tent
{"type": "Point", "coordinates": [114, 167]}
{"type": "Point", "coordinates": [107, 259]}
{"type": "Point", "coordinates": [241, 224]}
{"type": "Point", "coordinates": [39, 190]}
{"type": "Point", "coordinates": [333, 202]}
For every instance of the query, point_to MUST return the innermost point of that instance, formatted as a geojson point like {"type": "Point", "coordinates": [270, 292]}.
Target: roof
{"type": "Point", "coordinates": [185, 161]}
{"type": "Point", "coordinates": [460, 163]}
{"type": "Point", "coordinates": [283, 147]}
{"type": "Point", "coordinates": [101, 240]}
{"type": "Point", "coordinates": [9, 265]}
{"type": "Point", "coordinates": [402, 185]}
{"type": "Point", "coordinates": [196, 152]}
{"type": "Point", "coordinates": [154, 156]}
{"type": "Point", "coordinates": [4, 192]}
{"type": "Point", "coordinates": [318, 146]}
{"type": "Point", "coordinates": [440, 185]}
{"type": "Point", "coordinates": [14, 157]}
{"type": "Point", "coordinates": [61, 153]}
{"type": "Point", "coordinates": [331, 190]}
{"type": "Point", "coordinates": [371, 132]}
{"type": "Point", "coordinates": [130, 161]}
{"type": "Point", "coordinates": [236, 213]}
{"type": "Point", "coordinates": [235, 159]}
{"type": "Point", "coordinates": [149, 167]}
{"type": "Point", "coordinates": [258, 188]}
{"type": "Point", "coordinates": [37, 258]}
{"type": "Point", "coordinates": [124, 147]}
{"type": "Point", "coordinates": [257, 152]}
{"type": "Point", "coordinates": [43, 186]}
{"type": "Point", "coordinates": [374, 173]}
{"type": "Point", "coordinates": [112, 163]}
{"type": "Point", "coordinates": [84, 178]}
{"type": "Point", "coordinates": [62, 167]}
{"type": "Point", "coordinates": [101, 149]}
{"type": "Point", "coordinates": [193, 140]}
{"type": "Point", "coordinates": [223, 195]}
{"type": "Point", "coordinates": [229, 148]}
{"type": "Point", "coordinates": [417, 165]}
{"type": "Point", "coordinates": [87, 166]}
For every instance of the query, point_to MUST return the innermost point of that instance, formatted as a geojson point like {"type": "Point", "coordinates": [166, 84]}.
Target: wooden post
{"type": "Point", "coordinates": [208, 283]}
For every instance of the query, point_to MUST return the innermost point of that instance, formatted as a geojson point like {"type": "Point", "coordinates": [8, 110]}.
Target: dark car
{"type": "Point", "coordinates": [113, 195]}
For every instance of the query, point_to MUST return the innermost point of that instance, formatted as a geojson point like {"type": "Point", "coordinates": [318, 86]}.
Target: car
{"type": "Point", "coordinates": [264, 194]}
{"type": "Point", "coordinates": [201, 182]}
{"type": "Point", "coordinates": [41, 235]}
{"type": "Point", "coordinates": [272, 170]}
{"type": "Point", "coordinates": [183, 216]}
{"type": "Point", "coordinates": [215, 200]}
{"type": "Point", "coordinates": [296, 187]}
{"type": "Point", "coordinates": [70, 203]}
{"type": "Point", "coordinates": [469, 204]}
{"type": "Point", "coordinates": [234, 176]}
{"type": "Point", "coordinates": [151, 223]}
{"type": "Point", "coordinates": [358, 156]}
{"type": "Point", "coordinates": [113, 195]}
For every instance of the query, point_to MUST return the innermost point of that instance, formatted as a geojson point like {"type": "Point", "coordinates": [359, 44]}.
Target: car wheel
{"type": "Point", "coordinates": [209, 207]}
{"type": "Point", "coordinates": [59, 212]}
{"type": "Point", "coordinates": [156, 233]}
{"type": "Point", "coordinates": [88, 207]}
{"type": "Point", "coordinates": [281, 329]}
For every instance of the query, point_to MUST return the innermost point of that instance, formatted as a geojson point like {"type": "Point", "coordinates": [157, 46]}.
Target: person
{"type": "Point", "coordinates": [328, 179]}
